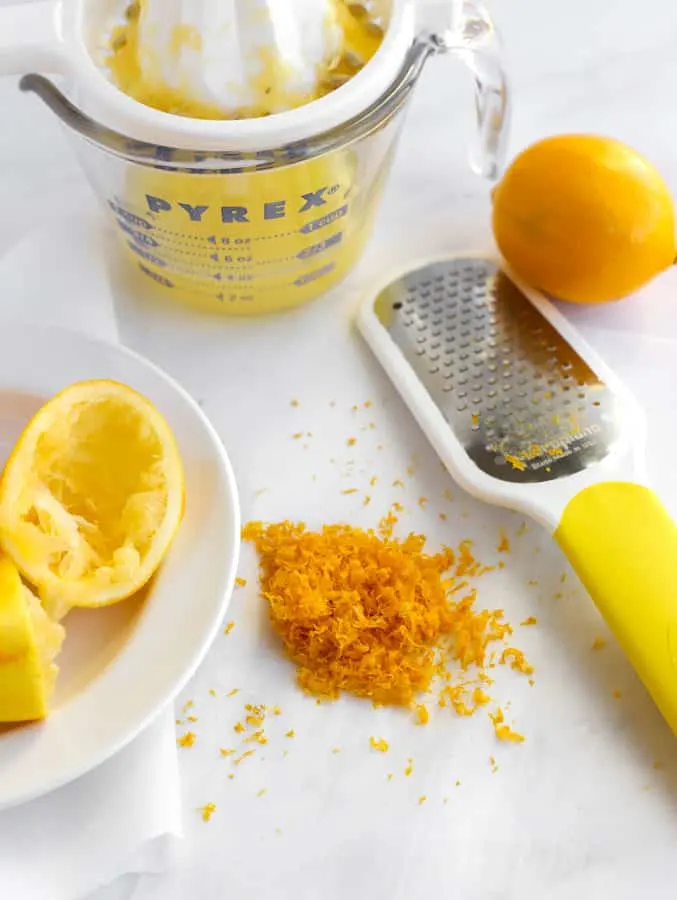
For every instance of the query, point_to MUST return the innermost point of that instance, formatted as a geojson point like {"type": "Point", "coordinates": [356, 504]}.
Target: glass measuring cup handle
{"type": "Point", "coordinates": [468, 33]}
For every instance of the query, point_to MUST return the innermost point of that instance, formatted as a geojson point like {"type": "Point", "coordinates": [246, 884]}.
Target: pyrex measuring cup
{"type": "Point", "coordinates": [243, 226]}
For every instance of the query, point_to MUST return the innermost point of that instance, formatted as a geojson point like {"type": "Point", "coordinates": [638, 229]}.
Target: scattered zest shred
{"type": "Point", "coordinates": [186, 740]}
{"type": "Point", "coordinates": [503, 731]}
{"type": "Point", "coordinates": [225, 752]}
{"type": "Point", "coordinates": [379, 744]}
{"type": "Point", "coordinates": [421, 800]}
{"type": "Point", "coordinates": [503, 543]}
{"type": "Point", "coordinates": [229, 627]}
{"type": "Point", "coordinates": [208, 811]}
{"type": "Point", "coordinates": [530, 620]}
{"type": "Point", "coordinates": [291, 733]}
{"type": "Point", "coordinates": [255, 715]}
{"type": "Point", "coordinates": [422, 714]}
{"type": "Point", "coordinates": [233, 692]}
{"type": "Point", "coordinates": [515, 659]}
{"type": "Point", "coordinates": [241, 582]}
{"type": "Point", "coordinates": [598, 644]}
{"type": "Point", "coordinates": [410, 767]}
{"type": "Point", "coordinates": [244, 756]}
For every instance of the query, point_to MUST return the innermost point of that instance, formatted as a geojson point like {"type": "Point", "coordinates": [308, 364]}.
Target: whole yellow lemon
{"type": "Point", "coordinates": [584, 218]}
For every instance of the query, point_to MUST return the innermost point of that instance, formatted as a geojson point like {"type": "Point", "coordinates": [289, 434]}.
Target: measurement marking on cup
{"type": "Point", "coordinates": [313, 276]}
{"type": "Point", "coordinates": [316, 224]}
{"type": "Point", "coordinates": [130, 217]}
{"type": "Point", "coordinates": [148, 256]}
{"type": "Point", "coordinates": [315, 249]}
{"type": "Point", "coordinates": [140, 237]}
{"type": "Point", "coordinates": [165, 282]}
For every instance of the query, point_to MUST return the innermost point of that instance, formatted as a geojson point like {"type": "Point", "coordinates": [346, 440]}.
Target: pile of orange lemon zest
{"type": "Point", "coordinates": [229, 627]}
{"type": "Point", "coordinates": [530, 620]}
{"type": "Point", "coordinates": [503, 731]}
{"type": "Point", "coordinates": [244, 756]}
{"type": "Point", "coordinates": [598, 644]}
{"type": "Point", "coordinates": [379, 744]}
{"type": "Point", "coordinates": [372, 614]}
{"type": "Point", "coordinates": [186, 740]}
{"type": "Point", "coordinates": [503, 544]}
{"type": "Point", "coordinates": [422, 714]}
{"type": "Point", "coordinates": [516, 660]}
{"type": "Point", "coordinates": [208, 811]}
{"type": "Point", "coordinates": [291, 733]}
{"type": "Point", "coordinates": [241, 582]}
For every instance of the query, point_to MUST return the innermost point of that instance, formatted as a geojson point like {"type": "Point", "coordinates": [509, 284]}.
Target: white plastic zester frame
{"type": "Point", "coordinates": [59, 37]}
{"type": "Point", "coordinates": [613, 529]}
{"type": "Point", "coordinates": [544, 501]}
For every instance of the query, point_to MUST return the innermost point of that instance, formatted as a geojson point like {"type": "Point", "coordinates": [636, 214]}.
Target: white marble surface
{"type": "Point", "coordinates": [579, 809]}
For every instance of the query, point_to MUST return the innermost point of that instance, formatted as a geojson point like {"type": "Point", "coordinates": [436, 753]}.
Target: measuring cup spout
{"type": "Point", "coordinates": [30, 38]}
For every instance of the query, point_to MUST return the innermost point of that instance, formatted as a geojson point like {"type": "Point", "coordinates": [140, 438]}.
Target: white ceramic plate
{"type": "Point", "coordinates": [120, 666]}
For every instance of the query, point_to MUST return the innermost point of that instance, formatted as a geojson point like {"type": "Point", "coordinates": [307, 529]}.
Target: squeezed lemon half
{"type": "Point", "coordinates": [91, 497]}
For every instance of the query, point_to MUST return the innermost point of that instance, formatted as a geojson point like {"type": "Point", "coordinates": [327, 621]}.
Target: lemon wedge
{"type": "Point", "coordinates": [29, 643]}
{"type": "Point", "coordinates": [92, 496]}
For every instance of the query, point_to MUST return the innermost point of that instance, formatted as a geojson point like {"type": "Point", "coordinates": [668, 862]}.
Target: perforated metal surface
{"type": "Point", "coordinates": [523, 404]}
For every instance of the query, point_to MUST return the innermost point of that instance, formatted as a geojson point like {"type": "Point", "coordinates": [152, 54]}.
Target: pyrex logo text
{"type": "Point", "coordinates": [276, 209]}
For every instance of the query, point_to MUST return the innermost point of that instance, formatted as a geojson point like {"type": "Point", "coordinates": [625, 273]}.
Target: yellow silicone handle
{"type": "Point", "coordinates": [623, 544]}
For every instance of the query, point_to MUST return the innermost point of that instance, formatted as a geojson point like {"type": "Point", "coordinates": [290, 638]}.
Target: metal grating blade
{"type": "Point", "coordinates": [521, 401]}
